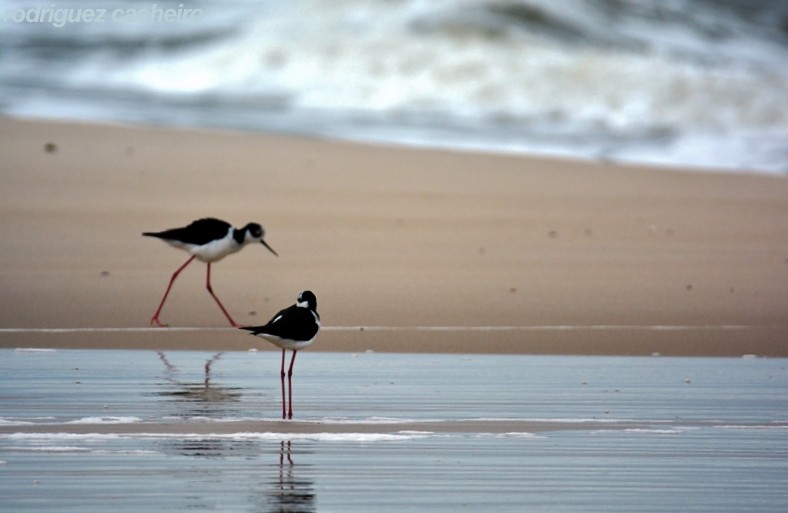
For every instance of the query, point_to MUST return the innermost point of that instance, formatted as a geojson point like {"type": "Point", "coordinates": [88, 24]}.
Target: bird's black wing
{"type": "Point", "coordinates": [293, 323]}
{"type": "Point", "coordinates": [198, 232]}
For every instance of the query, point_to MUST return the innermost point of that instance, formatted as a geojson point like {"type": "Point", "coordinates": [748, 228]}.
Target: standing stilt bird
{"type": "Point", "coordinates": [293, 328]}
{"type": "Point", "coordinates": [208, 240]}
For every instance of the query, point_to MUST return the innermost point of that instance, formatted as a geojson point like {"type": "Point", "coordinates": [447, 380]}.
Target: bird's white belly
{"type": "Point", "coordinates": [293, 345]}
{"type": "Point", "coordinates": [211, 252]}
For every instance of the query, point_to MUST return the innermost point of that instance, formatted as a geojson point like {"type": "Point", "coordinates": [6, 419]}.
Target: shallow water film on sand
{"type": "Point", "coordinates": [141, 430]}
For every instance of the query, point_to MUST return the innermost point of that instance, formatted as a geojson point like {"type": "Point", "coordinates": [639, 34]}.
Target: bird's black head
{"type": "Point", "coordinates": [254, 232]}
{"type": "Point", "coordinates": [307, 299]}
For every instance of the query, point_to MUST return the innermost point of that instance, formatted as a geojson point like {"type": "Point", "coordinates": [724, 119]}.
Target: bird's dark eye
{"type": "Point", "coordinates": [257, 232]}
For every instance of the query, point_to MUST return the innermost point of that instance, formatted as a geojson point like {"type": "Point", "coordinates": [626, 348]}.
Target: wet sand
{"type": "Point", "coordinates": [404, 247]}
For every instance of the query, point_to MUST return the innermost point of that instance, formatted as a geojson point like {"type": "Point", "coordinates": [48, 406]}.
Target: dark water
{"type": "Point", "coordinates": [643, 434]}
{"type": "Point", "coordinates": [685, 82]}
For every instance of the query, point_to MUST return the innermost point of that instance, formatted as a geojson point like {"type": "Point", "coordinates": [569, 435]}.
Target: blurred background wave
{"type": "Point", "coordinates": [698, 83]}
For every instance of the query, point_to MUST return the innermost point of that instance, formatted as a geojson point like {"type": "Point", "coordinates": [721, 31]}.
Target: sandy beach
{"type": "Point", "coordinates": [407, 249]}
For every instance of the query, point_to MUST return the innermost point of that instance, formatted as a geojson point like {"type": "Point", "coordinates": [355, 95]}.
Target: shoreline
{"type": "Point", "coordinates": [709, 341]}
{"type": "Point", "coordinates": [575, 257]}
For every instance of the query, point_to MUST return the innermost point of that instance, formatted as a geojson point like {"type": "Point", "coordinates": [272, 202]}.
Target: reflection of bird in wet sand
{"type": "Point", "coordinates": [208, 240]}
{"type": "Point", "coordinates": [198, 392]}
{"type": "Point", "coordinates": [201, 399]}
{"type": "Point", "coordinates": [289, 493]}
{"type": "Point", "coordinates": [293, 328]}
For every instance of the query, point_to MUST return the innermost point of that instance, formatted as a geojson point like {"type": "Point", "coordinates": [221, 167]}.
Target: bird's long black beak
{"type": "Point", "coordinates": [269, 247]}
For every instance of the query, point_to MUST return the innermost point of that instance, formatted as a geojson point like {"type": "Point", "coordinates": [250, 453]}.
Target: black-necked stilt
{"type": "Point", "coordinates": [293, 328]}
{"type": "Point", "coordinates": [208, 240]}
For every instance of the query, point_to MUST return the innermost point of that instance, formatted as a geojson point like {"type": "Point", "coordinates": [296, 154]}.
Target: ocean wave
{"type": "Point", "coordinates": [687, 82]}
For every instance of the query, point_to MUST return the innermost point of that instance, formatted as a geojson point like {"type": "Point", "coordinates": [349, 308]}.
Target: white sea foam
{"type": "Point", "coordinates": [778, 427]}
{"type": "Point", "coordinates": [106, 420]}
{"type": "Point", "coordinates": [276, 436]}
{"type": "Point", "coordinates": [511, 434]}
{"type": "Point", "coordinates": [370, 420]}
{"type": "Point", "coordinates": [570, 420]}
{"type": "Point", "coordinates": [10, 422]}
{"type": "Point", "coordinates": [264, 436]}
{"type": "Point", "coordinates": [59, 436]}
{"type": "Point", "coordinates": [131, 452]}
{"type": "Point", "coordinates": [517, 434]}
{"type": "Point", "coordinates": [49, 449]}
{"type": "Point", "coordinates": [656, 431]}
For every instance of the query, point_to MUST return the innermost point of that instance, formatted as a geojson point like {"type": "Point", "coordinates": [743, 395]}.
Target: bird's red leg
{"type": "Point", "coordinates": [210, 289]}
{"type": "Point", "coordinates": [155, 319]}
{"type": "Point", "coordinates": [282, 376]}
{"type": "Point", "coordinates": [290, 384]}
